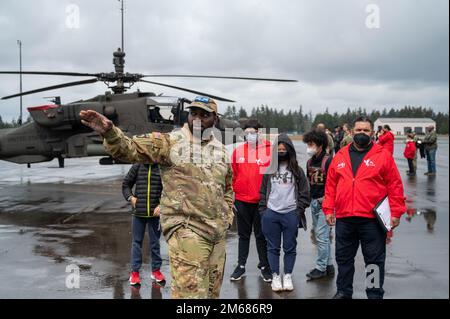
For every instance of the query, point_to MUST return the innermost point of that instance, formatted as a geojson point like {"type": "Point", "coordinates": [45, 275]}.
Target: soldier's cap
{"type": "Point", "coordinates": [204, 103]}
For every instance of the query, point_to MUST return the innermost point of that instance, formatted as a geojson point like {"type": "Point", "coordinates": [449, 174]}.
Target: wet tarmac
{"type": "Point", "coordinates": [51, 218]}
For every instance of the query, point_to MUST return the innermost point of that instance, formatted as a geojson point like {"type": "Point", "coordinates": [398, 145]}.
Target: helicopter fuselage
{"type": "Point", "coordinates": [57, 132]}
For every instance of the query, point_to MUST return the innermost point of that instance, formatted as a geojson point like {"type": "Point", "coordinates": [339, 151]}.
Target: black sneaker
{"type": "Point", "coordinates": [330, 270]}
{"type": "Point", "coordinates": [339, 295]}
{"type": "Point", "coordinates": [238, 272]}
{"type": "Point", "coordinates": [316, 274]}
{"type": "Point", "coordinates": [266, 274]}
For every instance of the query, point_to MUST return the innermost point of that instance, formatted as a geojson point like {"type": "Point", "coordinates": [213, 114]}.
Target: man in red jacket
{"type": "Point", "coordinates": [360, 176]}
{"type": "Point", "coordinates": [249, 162]}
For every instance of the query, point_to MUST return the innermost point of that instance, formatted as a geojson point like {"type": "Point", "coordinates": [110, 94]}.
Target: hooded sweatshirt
{"type": "Point", "coordinates": [301, 186]}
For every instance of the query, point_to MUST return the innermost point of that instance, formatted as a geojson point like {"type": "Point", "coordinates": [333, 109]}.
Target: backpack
{"type": "Point", "coordinates": [322, 165]}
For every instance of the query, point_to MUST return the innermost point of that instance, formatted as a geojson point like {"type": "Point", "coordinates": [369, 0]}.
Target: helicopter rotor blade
{"type": "Point", "coordinates": [189, 90]}
{"type": "Point", "coordinates": [53, 87]}
{"type": "Point", "coordinates": [218, 77]}
{"type": "Point", "coordinates": [49, 73]}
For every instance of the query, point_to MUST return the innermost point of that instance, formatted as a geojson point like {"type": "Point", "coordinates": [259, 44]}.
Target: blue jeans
{"type": "Point", "coordinates": [322, 233]}
{"type": "Point", "coordinates": [274, 226]}
{"type": "Point", "coordinates": [431, 160]}
{"type": "Point", "coordinates": [154, 232]}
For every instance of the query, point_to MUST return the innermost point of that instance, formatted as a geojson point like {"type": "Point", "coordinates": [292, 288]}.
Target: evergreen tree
{"type": "Point", "coordinates": [297, 121]}
{"type": "Point", "coordinates": [242, 113]}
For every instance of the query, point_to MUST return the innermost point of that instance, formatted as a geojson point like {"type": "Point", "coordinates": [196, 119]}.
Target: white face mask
{"type": "Point", "coordinates": [252, 138]}
{"type": "Point", "coordinates": [311, 151]}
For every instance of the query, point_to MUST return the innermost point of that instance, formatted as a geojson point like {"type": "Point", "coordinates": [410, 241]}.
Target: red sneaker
{"type": "Point", "coordinates": [134, 278]}
{"type": "Point", "coordinates": [158, 276]}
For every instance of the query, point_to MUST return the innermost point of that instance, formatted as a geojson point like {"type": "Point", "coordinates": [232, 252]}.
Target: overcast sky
{"type": "Point", "coordinates": [339, 51]}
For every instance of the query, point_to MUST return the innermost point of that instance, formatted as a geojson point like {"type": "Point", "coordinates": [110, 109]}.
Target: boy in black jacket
{"type": "Point", "coordinates": [316, 169]}
{"type": "Point", "coordinates": [145, 205]}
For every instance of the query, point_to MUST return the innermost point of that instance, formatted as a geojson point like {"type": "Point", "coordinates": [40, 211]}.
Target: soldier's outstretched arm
{"type": "Point", "coordinates": [146, 149]}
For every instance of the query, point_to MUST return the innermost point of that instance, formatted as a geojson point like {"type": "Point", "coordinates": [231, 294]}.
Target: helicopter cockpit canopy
{"type": "Point", "coordinates": [166, 110]}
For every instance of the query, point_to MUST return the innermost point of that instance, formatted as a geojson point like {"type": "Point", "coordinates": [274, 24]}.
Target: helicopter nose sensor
{"type": "Point", "coordinates": [110, 112]}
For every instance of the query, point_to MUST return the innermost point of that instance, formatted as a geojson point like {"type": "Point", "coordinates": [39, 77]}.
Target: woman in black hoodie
{"type": "Point", "coordinates": [284, 196]}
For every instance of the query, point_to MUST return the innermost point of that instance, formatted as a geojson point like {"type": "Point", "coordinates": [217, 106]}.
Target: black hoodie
{"type": "Point", "coordinates": [301, 185]}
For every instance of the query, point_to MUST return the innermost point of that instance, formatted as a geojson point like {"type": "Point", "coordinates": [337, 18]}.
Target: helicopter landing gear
{"type": "Point", "coordinates": [61, 162]}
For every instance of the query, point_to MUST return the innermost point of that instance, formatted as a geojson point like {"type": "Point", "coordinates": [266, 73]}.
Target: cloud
{"type": "Point", "coordinates": [326, 45]}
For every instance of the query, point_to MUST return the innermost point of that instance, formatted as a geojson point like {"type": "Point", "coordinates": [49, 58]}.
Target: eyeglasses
{"type": "Point", "coordinates": [202, 99]}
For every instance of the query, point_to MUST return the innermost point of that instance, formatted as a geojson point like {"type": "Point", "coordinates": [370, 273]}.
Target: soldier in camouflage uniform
{"type": "Point", "coordinates": [348, 138]}
{"type": "Point", "coordinates": [330, 147]}
{"type": "Point", "coordinates": [197, 198]}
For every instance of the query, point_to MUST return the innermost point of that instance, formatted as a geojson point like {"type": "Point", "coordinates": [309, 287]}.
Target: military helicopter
{"type": "Point", "coordinates": [56, 130]}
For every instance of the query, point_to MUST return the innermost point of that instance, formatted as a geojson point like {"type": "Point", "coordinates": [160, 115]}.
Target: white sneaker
{"type": "Point", "coordinates": [287, 282]}
{"type": "Point", "coordinates": [276, 282]}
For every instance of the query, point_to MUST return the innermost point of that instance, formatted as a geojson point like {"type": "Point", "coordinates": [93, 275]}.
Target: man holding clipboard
{"type": "Point", "coordinates": [364, 198]}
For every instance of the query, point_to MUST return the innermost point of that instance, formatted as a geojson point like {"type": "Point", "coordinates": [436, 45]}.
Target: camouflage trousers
{"type": "Point", "coordinates": [196, 265]}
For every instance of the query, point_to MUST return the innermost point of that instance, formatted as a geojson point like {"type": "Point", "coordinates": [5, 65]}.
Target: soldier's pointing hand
{"type": "Point", "coordinates": [96, 121]}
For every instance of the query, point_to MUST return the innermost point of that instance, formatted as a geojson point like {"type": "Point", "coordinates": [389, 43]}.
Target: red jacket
{"type": "Point", "coordinates": [387, 141]}
{"type": "Point", "coordinates": [410, 150]}
{"type": "Point", "coordinates": [377, 176]}
{"type": "Point", "coordinates": [249, 165]}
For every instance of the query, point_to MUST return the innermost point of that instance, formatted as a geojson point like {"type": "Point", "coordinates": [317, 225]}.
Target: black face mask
{"type": "Point", "coordinates": [361, 140]}
{"type": "Point", "coordinates": [283, 156]}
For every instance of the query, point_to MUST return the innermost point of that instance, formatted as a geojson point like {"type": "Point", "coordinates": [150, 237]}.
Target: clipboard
{"type": "Point", "coordinates": [383, 213]}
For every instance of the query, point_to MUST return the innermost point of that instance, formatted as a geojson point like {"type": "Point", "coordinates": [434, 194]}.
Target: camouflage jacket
{"type": "Point", "coordinates": [330, 147]}
{"type": "Point", "coordinates": [346, 140]}
{"type": "Point", "coordinates": [196, 178]}
{"type": "Point", "coordinates": [430, 141]}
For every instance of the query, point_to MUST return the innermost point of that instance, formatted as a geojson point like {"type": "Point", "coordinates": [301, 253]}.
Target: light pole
{"type": "Point", "coordinates": [20, 69]}
{"type": "Point", "coordinates": [121, 9]}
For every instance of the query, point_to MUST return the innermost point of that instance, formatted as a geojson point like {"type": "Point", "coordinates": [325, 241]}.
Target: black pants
{"type": "Point", "coordinates": [411, 165]}
{"type": "Point", "coordinates": [349, 233]}
{"type": "Point", "coordinates": [247, 218]}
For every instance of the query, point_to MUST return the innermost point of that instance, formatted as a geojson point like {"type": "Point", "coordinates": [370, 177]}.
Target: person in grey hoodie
{"type": "Point", "coordinates": [284, 196]}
